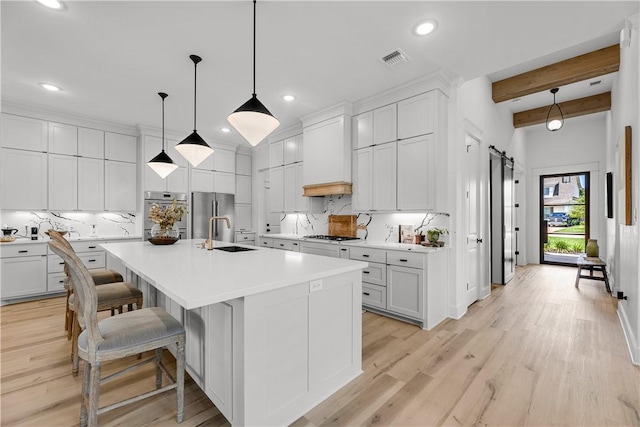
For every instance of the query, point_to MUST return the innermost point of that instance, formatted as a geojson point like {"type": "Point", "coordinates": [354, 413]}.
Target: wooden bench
{"type": "Point", "coordinates": [592, 263]}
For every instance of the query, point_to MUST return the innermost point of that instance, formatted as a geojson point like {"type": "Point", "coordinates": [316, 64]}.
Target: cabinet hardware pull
{"type": "Point", "coordinates": [60, 281]}
{"type": "Point", "coordinates": [365, 256]}
{"type": "Point", "coordinates": [403, 260]}
{"type": "Point", "coordinates": [366, 293]}
{"type": "Point", "coordinates": [92, 247]}
{"type": "Point", "coordinates": [22, 252]}
{"type": "Point", "coordinates": [365, 272]}
{"type": "Point", "coordinates": [61, 263]}
{"type": "Point", "coordinates": [344, 249]}
{"type": "Point", "coordinates": [92, 260]}
{"type": "Point", "coordinates": [281, 244]}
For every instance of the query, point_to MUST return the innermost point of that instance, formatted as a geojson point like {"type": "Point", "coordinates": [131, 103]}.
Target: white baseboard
{"type": "Point", "coordinates": [456, 312]}
{"type": "Point", "coordinates": [632, 342]}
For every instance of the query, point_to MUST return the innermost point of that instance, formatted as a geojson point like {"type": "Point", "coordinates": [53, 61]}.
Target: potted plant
{"type": "Point", "coordinates": [164, 230]}
{"type": "Point", "coordinates": [433, 234]}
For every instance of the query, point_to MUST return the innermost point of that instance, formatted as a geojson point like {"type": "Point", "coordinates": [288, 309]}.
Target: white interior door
{"type": "Point", "coordinates": [473, 215]}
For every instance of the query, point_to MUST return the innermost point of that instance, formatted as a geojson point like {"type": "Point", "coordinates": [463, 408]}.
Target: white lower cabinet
{"type": "Point", "coordinates": [405, 291]}
{"type": "Point", "coordinates": [194, 325]}
{"type": "Point", "coordinates": [24, 276]}
{"type": "Point", "coordinates": [316, 248]}
{"type": "Point", "coordinates": [374, 295]}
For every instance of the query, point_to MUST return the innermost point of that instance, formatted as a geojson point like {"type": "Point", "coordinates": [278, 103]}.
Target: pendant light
{"type": "Point", "coordinates": [194, 148]}
{"type": "Point", "coordinates": [162, 163]}
{"type": "Point", "coordinates": [252, 119]}
{"type": "Point", "coordinates": [553, 122]}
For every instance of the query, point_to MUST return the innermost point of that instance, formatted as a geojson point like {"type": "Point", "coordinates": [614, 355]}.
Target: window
{"type": "Point", "coordinates": [548, 191]}
{"type": "Point", "coordinates": [566, 179]}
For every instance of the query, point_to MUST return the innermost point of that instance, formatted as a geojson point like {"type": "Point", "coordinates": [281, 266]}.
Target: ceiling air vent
{"type": "Point", "coordinates": [395, 58]}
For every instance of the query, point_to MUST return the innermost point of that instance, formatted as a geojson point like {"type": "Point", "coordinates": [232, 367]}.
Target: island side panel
{"type": "Point", "coordinates": [301, 346]}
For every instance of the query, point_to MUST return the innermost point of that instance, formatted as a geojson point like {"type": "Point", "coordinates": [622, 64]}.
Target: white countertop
{"type": "Point", "coordinates": [362, 243]}
{"type": "Point", "coordinates": [195, 277]}
{"type": "Point", "coordinates": [23, 240]}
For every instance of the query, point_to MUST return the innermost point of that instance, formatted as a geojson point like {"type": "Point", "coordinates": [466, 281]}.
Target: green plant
{"type": "Point", "coordinates": [577, 247]}
{"type": "Point", "coordinates": [433, 234]}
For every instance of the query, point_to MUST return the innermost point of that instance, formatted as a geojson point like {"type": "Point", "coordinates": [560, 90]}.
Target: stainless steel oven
{"type": "Point", "coordinates": [163, 199]}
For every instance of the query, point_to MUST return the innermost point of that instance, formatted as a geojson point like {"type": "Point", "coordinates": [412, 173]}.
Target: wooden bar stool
{"type": "Point", "coordinates": [117, 337]}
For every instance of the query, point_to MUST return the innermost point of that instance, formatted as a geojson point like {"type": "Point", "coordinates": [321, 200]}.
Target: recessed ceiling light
{"type": "Point", "coordinates": [289, 98]}
{"type": "Point", "coordinates": [51, 4]}
{"type": "Point", "coordinates": [225, 130]}
{"type": "Point", "coordinates": [426, 27]}
{"type": "Point", "coordinates": [50, 87]}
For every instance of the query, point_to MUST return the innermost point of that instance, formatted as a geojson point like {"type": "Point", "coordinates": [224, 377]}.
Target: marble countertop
{"type": "Point", "coordinates": [24, 240]}
{"type": "Point", "coordinates": [195, 277]}
{"type": "Point", "coordinates": [363, 243]}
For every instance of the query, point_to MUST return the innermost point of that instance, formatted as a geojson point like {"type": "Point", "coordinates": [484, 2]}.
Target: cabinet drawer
{"type": "Point", "coordinates": [406, 259]}
{"type": "Point", "coordinates": [266, 242]}
{"type": "Point", "coordinates": [91, 260]}
{"type": "Point", "coordinates": [8, 250]}
{"type": "Point", "coordinates": [365, 254]}
{"type": "Point", "coordinates": [344, 253]}
{"type": "Point", "coordinates": [374, 295]}
{"type": "Point", "coordinates": [295, 246]}
{"type": "Point", "coordinates": [92, 246]}
{"type": "Point", "coordinates": [283, 244]}
{"type": "Point", "coordinates": [55, 282]}
{"type": "Point", "coordinates": [245, 237]}
{"type": "Point", "coordinates": [376, 274]}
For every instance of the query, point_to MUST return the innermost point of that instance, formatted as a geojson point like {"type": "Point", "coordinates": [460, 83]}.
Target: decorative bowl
{"type": "Point", "coordinates": [62, 232]}
{"type": "Point", "coordinates": [164, 240]}
{"type": "Point", "coordinates": [7, 239]}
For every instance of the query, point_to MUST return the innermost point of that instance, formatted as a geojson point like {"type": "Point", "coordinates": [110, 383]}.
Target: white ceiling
{"type": "Point", "coordinates": [111, 58]}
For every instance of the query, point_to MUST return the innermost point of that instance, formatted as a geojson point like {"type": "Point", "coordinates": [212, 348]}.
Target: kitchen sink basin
{"type": "Point", "coordinates": [234, 249]}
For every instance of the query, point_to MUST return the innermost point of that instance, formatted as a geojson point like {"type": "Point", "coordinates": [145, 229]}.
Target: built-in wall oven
{"type": "Point", "coordinates": [163, 199]}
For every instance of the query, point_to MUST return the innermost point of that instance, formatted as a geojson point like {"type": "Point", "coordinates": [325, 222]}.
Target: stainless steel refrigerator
{"type": "Point", "coordinates": [206, 205]}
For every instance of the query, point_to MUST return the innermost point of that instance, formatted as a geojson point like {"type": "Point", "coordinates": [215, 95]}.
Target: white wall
{"type": "Point", "coordinates": [626, 263]}
{"type": "Point", "coordinates": [578, 147]}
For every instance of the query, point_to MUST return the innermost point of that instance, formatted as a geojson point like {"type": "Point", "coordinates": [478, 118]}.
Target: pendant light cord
{"type": "Point", "coordinates": [195, 92]}
{"type": "Point", "coordinates": [162, 124]}
{"type": "Point", "coordinates": [254, 48]}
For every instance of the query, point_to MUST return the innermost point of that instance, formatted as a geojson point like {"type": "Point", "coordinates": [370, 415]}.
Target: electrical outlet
{"type": "Point", "coordinates": [315, 285]}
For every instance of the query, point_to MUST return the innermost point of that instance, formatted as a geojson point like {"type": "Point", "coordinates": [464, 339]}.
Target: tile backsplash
{"type": "Point", "coordinates": [78, 223]}
{"type": "Point", "coordinates": [372, 226]}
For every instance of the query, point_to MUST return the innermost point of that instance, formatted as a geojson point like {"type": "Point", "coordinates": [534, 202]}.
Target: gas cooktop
{"type": "Point", "coordinates": [335, 238]}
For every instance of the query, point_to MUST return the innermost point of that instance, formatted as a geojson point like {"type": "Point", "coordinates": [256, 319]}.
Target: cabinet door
{"type": "Point", "coordinates": [405, 291]}
{"type": "Point", "coordinates": [384, 177]}
{"type": "Point", "coordinates": [290, 147]}
{"type": "Point", "coordinates": [362, 179]}
{"type": "Point", "coordinates": [289, 188]}
{"type": "Point", "coordinates": [120, 147]}
{"type": "Point", "coordinates": [201, 180]}
{"type": "Point", "coordinates": [63, 182]}
{"type": "Point", "coordinates": [91, 143]}
{"type": "Point", "coordinates": [224, 182]}
{"type": "Point", "coordinates": [243, 218]}
{"type": "Point", "coordinates": [299, 148]}
{"type": "Point", "coordinates": [243, 189]}
{"type": "Point", "coordinates": [224, 161]}
{"type": "Point", "coordinates": [243, 164]}
{"type": "Point", "coordinates": [302, 203]}
{"type": "Point", "coordinates": [276, 154]}
{"type": "Point", "coordinates": [23, 276]}
{"type": "Point", "coordinates": [178, 181]}
{"type": "Point", "coordinates": [120, 186]}
{"type": "Point", "coordinates": [195, 331]}
{"type": "Point", "coordinates": [21, 190]}
{"type": "Point", "coordinates": [90, 184]}
{"type": "Point", "coordinates": [327, 151]}
{"type": "Point", "coordinates": [363, 130]}
{"type": "Point", "coordinates": [23, 133]}
{"type": "Point", "coordinates": [417, 168]}
{"type": "Point", "coordinates": [385, 124]}
{"type": "Point", "coordinates": [415, 116]}
{"type": "Point", "coordinates": [276, 192]}
{"type": "Point", "coordinates": [63, 139]}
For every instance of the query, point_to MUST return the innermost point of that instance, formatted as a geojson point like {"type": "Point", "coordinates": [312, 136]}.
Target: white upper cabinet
{"type": "Point", "coordinates": [224, 161]}
{"type": "Point", "coordinates": [243, 164]}
{"type": "Point", "coordinates": [289, 188]}
{"type": "Point", "coordinates": [276, 192]}
{"type": "Point", "coordinates": [224, 182]}
{"type": "Point", "coordinates": [385, 124]}
{"type": "Point", "coordinates": [363, 130]}
{"type": "Point", "coordinates": [417, 166]}
{"type": "Point", "coordinates": [276, 154]}
{"type": "Point", "coordinates": [416, 116]}
{"type": "Point", "coordinates": [243, 189]}
{"type": "Point", "coordinates": [90, 184]}
{"type": "Point", "coordinates": [63, 182]}
{"type": "Point", "coordinates": [201, 180]}
{"type": "Point", "coordinates": [292, 149]}
{"type": "Point", "coordinates": [120, 188]}
{"type": "Point", "coordinates": [23, 190]}
{"type": "Point", "coordinates": [384, 177]}
{"type": "Point", "coordinates": [63, 139]}
{"type": "Point", "coordinates": [91, 143]}
{"type": "Point", "coordinates": [178, 181]}
{"type": "Point", "coordinates": [120, 147]}
{"type": "Point", "coordinates": [24, 133]}
{"type": "Point", "coordinates": [362, 179]}
{"type": "Point", "coordinates": [327, 151]}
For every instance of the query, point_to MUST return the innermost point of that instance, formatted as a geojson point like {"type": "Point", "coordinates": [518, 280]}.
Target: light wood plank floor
{"type": "Point", "coordinates": [537, 352]}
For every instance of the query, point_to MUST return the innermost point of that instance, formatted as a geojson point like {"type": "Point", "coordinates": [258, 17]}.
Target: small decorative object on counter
{"type": "Point", "coordinates": [434, 234]}
{"type": "Point", "coordinates": [592, 248]}
{"type": "Point", "coordinates": [418, 239]}
{"type": "Point", "coordinates": [164, 232]}
{"type": "Point", "coordinates": [406, 234]}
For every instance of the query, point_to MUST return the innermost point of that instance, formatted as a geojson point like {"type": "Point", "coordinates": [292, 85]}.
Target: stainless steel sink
{"type": "Point", "coordinates": [234, 249]}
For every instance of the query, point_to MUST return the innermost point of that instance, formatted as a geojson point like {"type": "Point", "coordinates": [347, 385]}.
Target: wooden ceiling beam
{"type": "Point", "coordinates": [575, 108]}
{"type": "Point", "coordinates": [592, 64]}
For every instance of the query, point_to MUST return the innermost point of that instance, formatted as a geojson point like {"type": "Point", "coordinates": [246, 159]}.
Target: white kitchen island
{"type": "Point", "coordinates": [270, 334]}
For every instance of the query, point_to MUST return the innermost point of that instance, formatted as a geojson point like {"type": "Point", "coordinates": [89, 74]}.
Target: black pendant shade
{"type": "Point", "coordinates": [194, 148]}
{"type": "Point", "coordinates": [252, 119]}
{"type": "Point", "coordinates": [555, 118]}
{"type": "Point", "coordinates": [162, 163]}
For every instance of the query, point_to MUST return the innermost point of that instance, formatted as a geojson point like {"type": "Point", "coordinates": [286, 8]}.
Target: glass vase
{"type": "Point", "coordinates": [164, 235]}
